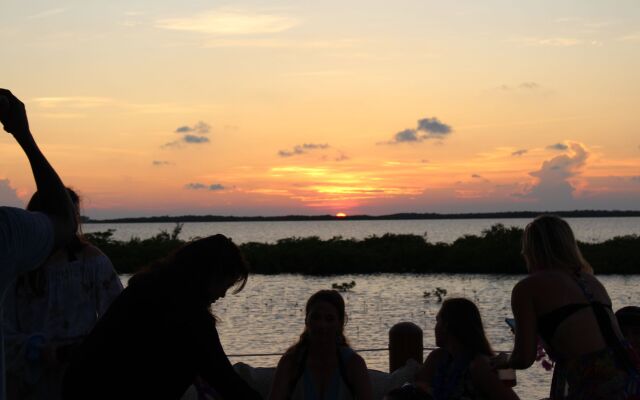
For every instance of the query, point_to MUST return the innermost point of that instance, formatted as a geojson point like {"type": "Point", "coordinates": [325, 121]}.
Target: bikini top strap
{"type": "Point", "coordinates": [299, 370]}
{"type": "Point", "coordinates": [606, 326]}
{"type": "Point", "coordinates": [586, 291]}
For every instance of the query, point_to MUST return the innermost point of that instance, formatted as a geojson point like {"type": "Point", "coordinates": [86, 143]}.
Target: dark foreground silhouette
{"type": "Point", "coordinates": [159, 335]}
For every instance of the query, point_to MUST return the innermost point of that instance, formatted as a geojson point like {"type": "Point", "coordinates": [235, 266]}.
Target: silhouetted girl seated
{"type": "Point", "coordinates": [159, 334]}
{"type": "Point", "coordinates": [629, 320]}
{"type": "Point", "coordinates": [322, 365]}
{"type": "Point", "coordinates": [460, 367]}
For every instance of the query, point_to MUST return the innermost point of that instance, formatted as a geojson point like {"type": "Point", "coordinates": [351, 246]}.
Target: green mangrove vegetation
{"type": "Point", "coordinates": [344, 286]}
{"type": "Point", "coordinates": [438, 293]}
{"type": "Point", "coordinates": [496, 250]}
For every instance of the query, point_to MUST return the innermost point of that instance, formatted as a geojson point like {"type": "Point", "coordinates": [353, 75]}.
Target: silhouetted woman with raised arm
{"type": "Point", "coordinates": [48, 311]}
{"type": "Point", "coordinates": [569, 309]}
{"type": "Point", "coordinates": [322, 365]}
{"type": "Point", "coordinates": [159, 335]}
{"type": "Point", "coordinates": [28, 238]}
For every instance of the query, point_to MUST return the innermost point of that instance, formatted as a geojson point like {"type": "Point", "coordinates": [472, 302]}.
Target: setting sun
{"type": "Point", "coordinates": [473, 119]}
{"type": "Point", "coordinates": [341, 215]}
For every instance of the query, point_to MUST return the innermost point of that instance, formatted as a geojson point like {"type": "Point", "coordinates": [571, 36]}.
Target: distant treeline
{"type": "Point", "coordinates": [494, 215]}
{"type": "Point", "coordinates": [496, 250]}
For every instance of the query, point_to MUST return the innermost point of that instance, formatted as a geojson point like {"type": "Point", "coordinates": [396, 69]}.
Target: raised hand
{"type": "Point", "coordinates": [13, 115]}
{"type": "Point", "coordinates": [4, 104]}
{"type": "Point", "coordinates": [54, 195]}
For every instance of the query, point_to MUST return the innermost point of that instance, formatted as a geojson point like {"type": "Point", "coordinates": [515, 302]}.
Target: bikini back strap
{"type": "Point", "coordinates": [606, 326]}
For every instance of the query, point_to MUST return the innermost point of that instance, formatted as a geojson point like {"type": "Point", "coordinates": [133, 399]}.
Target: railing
{"type": "Point", "coordinates": [356, 350]}
{"type": "Point", "coordinates": [405, 342]}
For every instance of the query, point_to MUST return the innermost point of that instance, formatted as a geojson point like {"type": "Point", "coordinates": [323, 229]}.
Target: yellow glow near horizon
{"type": "Point", "coordinates": [255, 109]}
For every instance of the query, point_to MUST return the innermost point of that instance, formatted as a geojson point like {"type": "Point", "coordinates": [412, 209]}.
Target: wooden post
{"type": "Point", "coordinates": [405, 342]}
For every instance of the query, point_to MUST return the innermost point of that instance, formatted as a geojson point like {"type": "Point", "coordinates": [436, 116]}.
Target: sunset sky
{"type": "Point", "coordinates": [316, 107]}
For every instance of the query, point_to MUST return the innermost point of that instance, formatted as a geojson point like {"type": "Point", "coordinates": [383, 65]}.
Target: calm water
{"type": "Point", "coordinates": [268, 315]}
{"type": "Point", "coordinates": [586, 229]}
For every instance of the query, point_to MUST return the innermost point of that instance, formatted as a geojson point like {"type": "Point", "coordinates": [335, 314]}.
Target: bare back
{"type": "Point", "coordinates": [578, 333]}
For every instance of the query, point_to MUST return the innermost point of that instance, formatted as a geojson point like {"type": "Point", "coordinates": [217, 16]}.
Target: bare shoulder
{"type": "Point", "coordinates": [545, 279]}
{"type": "Point", "coordinates": [523, 287]}
{"type": "Point", "coordinates": [436, 356]}
{"type": "Point", "coordinates": [92, 251]}
{"type": "Point", "coordinates": [356, 361]}
{"type": "Point", "coordinates": [598, 288]}
{"type": "Point", "coordinates": [283, 376]}
{"type": "Point", "coordinates": [591, 280]}
{"type": "Point", "coordinates": [287, 361]}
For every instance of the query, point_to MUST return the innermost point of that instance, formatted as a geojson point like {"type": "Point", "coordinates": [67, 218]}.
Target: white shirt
{"type": "Point", "coordinates": [26, 240]}
{"type": "Point", "coordinates": [75, 295]}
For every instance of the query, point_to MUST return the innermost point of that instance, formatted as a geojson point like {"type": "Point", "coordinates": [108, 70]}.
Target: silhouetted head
{"type": "Point", "coordinates": [548, 243]}
{"type": "Point", "coordinates": [459, 320]}
{"type": "Point", "coordinates": [200, 271]}
{"type": "Point", "coordinates": [325, 316]}
{"type": "Point", "coordinates": [629, 322]}
{"type": "Point", "coordinates": [324, 321]}
{"type": "Point", "coordinates": [36, 204]}
{"type": "Point", "coordinates": [35, 280]}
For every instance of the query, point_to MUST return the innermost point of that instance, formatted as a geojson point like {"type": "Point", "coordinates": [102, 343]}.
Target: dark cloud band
{"type": "Point", "coordinates": [427, 128]}
{"type": "Point", "coordinates": [302, 149]}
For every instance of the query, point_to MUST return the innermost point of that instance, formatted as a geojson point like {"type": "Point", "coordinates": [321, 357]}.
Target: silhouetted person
{"type": "Point", "coordinates": [28, 238]}
{"type": "Point", "coordinates": [569, 309]}
{"type": "Point", "coordinates": [322, 365]}
{"type": "Point", "coordinates": [460, 368]}
{"type": "Point", "coordinates": [159, 334]}
{"type": "Point", "coordinates": [407, 392]}
{"type": "Point", "coordinates": [629, 322]}
{"type": "Point", "coordinates": [49, 310]}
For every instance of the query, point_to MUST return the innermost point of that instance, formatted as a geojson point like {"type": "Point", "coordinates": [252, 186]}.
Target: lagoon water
{"type": "Point", "coordinates": [443, 230]}
{"type": "Point", "coordinates": [268, 315]}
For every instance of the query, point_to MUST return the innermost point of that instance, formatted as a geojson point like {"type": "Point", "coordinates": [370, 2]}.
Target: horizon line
{"type": "Point", "coordinates": [589, 213]}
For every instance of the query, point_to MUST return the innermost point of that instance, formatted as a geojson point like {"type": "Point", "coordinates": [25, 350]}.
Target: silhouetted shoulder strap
{"type": "Point", "coordinates": [300, 365]}
{"type": "Point", "coordinates": [344, 355]}
{"type": "Point", "coordinates": [606, 327]}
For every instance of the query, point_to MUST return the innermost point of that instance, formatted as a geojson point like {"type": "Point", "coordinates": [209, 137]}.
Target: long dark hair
{"type": "Point", "coordinates": [548, 243]}
{"type": "Point", "coordinates": [300, 350]}
{"type": "Point", "coordinates": [327, 296]}
{"type": "Point", "coordinates": [463, 322]}
{"type": "Point", "coordinates": [186, 275]}
{"type": "Point", "coordinates": [35, 281]}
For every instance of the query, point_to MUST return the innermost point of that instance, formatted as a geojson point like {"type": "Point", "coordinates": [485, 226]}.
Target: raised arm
{"type": "Point", "coordinates": [57, 204]}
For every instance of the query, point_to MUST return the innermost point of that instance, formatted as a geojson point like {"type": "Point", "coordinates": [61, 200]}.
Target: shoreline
{"type": "Point", "coordinates": [495, 251]}
{"type": "Point", "coordinates": [388, 217]}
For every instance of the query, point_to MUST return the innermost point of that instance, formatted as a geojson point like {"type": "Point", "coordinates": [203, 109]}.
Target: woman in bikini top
{"type": "Point", "coordinates": [569, 309]}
